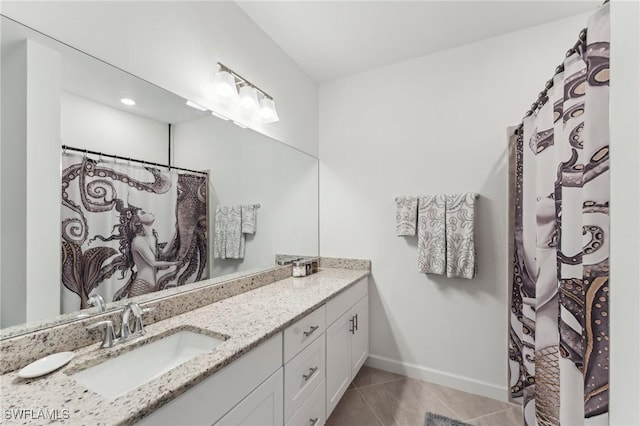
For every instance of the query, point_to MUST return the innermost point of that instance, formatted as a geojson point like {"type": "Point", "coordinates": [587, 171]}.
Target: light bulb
{"type": "Point", "coordinates": [268, 112]}
{"type": "Point", "coordinates": [224, 85]}
{"type": "Point", "coordinates": [248, 98]}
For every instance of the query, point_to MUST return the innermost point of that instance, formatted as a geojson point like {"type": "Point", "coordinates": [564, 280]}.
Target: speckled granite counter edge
{"type": "Point", "coordinates": [249, 318]}
{"type": "Point", "coordinates": [340, 263]}
{"type": "Point", "coordinates": [21, 350]}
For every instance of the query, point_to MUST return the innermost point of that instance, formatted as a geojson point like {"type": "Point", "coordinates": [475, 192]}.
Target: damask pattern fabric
{"type": "Point", "coordinates": [406, 216]}
{"type": "Point", "coordinates": [460, 232]}
{"type": "Point", "coordinates": [249, 218]}
{"type": "Point", "coordinates": [229, 241]}
{"type": "Point", "coordinates": [559, 333]}
{"type": "Point", "coordinates": [432, 244]}
{"type": "Point", "coordinates": [128, 230]}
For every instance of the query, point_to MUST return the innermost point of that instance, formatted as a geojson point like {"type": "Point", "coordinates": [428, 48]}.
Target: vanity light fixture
{"type": "Point", "coordinates": [128, 101]}
{"type": "Point", "coordinates": [249, 98]}
{"type": "Point", "coordinates": [268, 112]}
{"type": "Point", "coordinates": [224, 85]}
{"type": "Point", "coordinates": [196, 106]}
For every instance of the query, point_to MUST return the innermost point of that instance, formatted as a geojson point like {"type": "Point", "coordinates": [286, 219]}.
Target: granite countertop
{"type": "Point", "coordinates": [248, 319]}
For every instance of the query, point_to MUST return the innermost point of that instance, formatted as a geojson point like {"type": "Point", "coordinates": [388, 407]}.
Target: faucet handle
{"type": "Point", "coordinates": [109, 333]}
{"type": "Point", "coordinates": [138, 326]}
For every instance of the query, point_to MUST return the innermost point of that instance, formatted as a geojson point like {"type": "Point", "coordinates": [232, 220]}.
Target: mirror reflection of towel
{"type": "Point", "coordinates": [228, 240]}
{"type": "Point", "coordinates": [249, 218]}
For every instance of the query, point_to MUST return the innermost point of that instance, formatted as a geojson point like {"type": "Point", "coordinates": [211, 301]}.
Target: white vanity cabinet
{"type": "Point", "coordinates": [347, 340]}
{"type": "Point", "coordinates": [248, 381]}
{"type": "Point", "coordinates": [295, 378]}
{"type": "Point", "coordinates": [305, 370]}
{"type": "Point", "coordinates": [263, 406]}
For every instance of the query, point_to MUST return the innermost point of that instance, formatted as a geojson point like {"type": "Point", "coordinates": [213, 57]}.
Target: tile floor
{"type": "Point", "coordinates": [380, 398]}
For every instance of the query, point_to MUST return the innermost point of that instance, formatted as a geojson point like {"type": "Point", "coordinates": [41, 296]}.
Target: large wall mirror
{"type": "Point", "coordinates": [115, 187]}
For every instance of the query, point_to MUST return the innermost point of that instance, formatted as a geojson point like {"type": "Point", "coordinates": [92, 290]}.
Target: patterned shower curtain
{"type": "Point", "coordinates": [129, 230]}
{"type": "Point", "coordinates": [559, 334]}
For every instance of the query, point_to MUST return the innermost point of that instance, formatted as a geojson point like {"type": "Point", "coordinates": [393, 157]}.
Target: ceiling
{"type": "Point", "coordinates": [86, 76]}
{"type": "Point", "coordinates": [333, 39]}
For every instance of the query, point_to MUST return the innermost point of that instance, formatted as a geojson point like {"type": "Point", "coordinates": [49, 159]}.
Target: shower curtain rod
{"type": "Point", "coordinates": [542, 96]}
{"type": "Point", "coordinates": [118, 157]}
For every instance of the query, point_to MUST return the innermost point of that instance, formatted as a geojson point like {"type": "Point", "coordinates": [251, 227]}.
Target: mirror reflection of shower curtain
{"type": "Point", "coordinates": [129, 230]}
{"type": "Point", "coordinates": [559, 335]}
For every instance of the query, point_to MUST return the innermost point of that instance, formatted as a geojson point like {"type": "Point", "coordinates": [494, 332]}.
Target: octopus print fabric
{"type": "Point", "coordinates": [559, 334]}
{"type": "Point", "coordinates": [129, 230]}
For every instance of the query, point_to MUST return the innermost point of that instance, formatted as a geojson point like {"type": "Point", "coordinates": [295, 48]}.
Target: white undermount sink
{"type": "Point", "coordinates": [138, 366]}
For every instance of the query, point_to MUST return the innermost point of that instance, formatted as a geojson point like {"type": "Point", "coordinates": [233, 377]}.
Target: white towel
{"type": "Point", "coordinates": [431, 234]}
{"type": "Point", "coordinates": [249, 218]}
{"type": "Point", "coordinates": [228, 240]}
{"type": "Point", "coordinates": [461, 250]}
{"type": "Point", "coordinates": [406, 215]}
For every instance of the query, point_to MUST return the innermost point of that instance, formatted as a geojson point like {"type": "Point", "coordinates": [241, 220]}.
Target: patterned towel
{"type": "Point", "coordinates": [406, 215]}
{"type": "Point", "coordinates": [461, 250]}
{"type": "Point", "coordinates": [249, 218]}
{"type": "Point", "coordinates": [431, 234]}
{"type": "Point", "coordinates": [228, 240]}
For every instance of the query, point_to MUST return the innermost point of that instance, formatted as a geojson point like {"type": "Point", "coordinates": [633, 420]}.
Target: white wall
{"type": "Point", "coordinates": [248, 168]}
{"type": "Point", "coordinates": [30, 153]}
{"type": "Point", "coordinates": [434, 124]}
{"type": "Point", "coordinates": [176, 45]}
{"type": "Point", "coordinates": [625, 211]}
{"type": "Point", "coordinates": [90, 125]}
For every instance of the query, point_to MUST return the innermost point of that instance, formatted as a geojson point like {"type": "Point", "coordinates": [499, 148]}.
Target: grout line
{"type": "Point", "coordinates": [381, 383]}
{"type": "Point", "coordinates": [487, 415]}
{"type": "Point", "coordinates": [369, 406]}
{"type": "Point", "coordinates": [424, 384]}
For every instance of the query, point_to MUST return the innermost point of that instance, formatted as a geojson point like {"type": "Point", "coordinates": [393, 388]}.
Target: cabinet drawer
{"type": "Point", "coordinates": [312, 411]}
{"type": "Point", "coordinates": [337, 306]}
{"type": "Point", "coordinates": [302, 375]}
{"type": "Point", "coordinates": [303, 332]}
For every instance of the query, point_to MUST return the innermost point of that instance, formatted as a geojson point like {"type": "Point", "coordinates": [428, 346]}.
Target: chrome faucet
{"type": "Point", "coordinates": [109, 339]}
{"type": "Point", "coordinates": [97, 301]}
{"type": "Point", "coordinates": [126, 333]}
{"type": "Point", "coordinates": [132, 308]}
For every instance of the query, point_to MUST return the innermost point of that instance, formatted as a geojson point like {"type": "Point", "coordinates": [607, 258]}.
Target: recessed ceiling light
{"type": "Point", "coordinates": [128, 102]}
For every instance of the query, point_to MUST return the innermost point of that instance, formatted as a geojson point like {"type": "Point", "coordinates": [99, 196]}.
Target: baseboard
{"type": "Point", "coordinates": [439, 377]}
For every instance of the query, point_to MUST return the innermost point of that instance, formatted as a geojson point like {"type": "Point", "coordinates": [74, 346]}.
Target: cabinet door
{"type": "Point", "coordinates": [261, 407]}
{"type": "Point", "coordinates": [360, 339]}
{"type": "Point", "coordinates": [338, 359]}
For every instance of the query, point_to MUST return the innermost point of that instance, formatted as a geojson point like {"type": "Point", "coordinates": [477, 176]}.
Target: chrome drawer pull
{"type": "Point", "coordinates": [311, 330]}
{"type": "Point", "coordinates": [312, 371]}
{"type": "Point", "coordinates": [355, 323]}
{"type": "Point", "coordinates": [314, 421]}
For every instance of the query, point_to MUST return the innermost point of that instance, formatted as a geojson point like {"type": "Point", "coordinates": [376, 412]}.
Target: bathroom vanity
{"type": "Point", "coordinates": [289, 351]}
